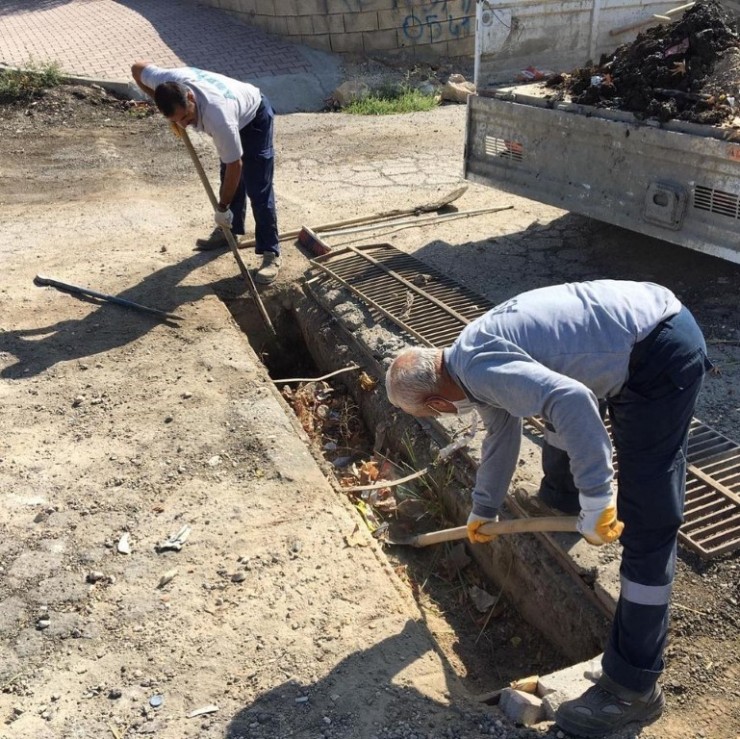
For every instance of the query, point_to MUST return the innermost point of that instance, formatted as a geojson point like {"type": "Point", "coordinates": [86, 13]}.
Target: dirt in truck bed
{"type": "Point", "coordinates": [687, 70]}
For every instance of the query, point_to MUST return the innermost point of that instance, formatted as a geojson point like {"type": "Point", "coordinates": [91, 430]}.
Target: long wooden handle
{"type": "Point", "coordinates": [183, 134]}
{"type": "Point", "coordinates": [494, 528]}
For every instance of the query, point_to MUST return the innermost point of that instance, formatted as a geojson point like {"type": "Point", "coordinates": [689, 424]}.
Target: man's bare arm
{"type": "Point", "coordinates": [136, 69]}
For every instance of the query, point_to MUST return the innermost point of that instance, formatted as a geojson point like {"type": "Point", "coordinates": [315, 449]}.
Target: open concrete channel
{"type": "Point", "coordinates": [525, 605]}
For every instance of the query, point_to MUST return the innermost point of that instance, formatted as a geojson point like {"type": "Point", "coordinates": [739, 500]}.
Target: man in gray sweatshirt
{"type": "Point", "coordinates": [557, 352]}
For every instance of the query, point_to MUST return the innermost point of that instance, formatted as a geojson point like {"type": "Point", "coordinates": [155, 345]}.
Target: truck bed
{"type": "Point", "coordinates": [678, 181]}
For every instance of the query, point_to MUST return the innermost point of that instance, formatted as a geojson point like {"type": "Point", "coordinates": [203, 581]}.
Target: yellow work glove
{"type": "Point", "coordinates": [474, 523]}
{"type": "Point", "coordinates": [176, 129]}
{"type": "Point", "coordinates": [600, 526]}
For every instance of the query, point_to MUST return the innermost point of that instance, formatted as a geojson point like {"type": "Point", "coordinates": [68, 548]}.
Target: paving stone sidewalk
{"type": "Point", "coordinates": [99, 39]}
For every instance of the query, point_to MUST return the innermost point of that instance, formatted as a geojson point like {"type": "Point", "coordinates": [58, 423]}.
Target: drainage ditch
{"type": "Point", "coordinates": [500, 612]}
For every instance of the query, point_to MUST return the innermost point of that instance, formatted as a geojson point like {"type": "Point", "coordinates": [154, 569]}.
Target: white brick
{"type": "Point", "coordinates": [521, 708]}
{"type": "Point", "coordinates": [572, 681]}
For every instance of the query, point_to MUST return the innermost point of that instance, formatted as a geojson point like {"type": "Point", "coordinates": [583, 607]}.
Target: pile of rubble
{"type": "Point", "coordinates": [687, 70]}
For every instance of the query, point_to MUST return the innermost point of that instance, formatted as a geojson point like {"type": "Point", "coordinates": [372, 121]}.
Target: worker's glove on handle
{"type": "Point", "coordinates": [474, 523]}
{"type": "Point", "coordinates": [223, 218]}
{"type": "Point", "coordinates": [600, 526]}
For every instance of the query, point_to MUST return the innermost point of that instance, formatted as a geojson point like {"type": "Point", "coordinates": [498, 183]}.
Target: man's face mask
{"type": "Point", "coordinates": [463, 407]}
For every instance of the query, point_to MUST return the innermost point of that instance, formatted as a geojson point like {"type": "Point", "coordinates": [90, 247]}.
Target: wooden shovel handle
{"type": "Point", "coordinates": [510, 526]}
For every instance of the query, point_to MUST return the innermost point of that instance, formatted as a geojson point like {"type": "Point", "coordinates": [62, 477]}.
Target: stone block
{"type": "Point", "coordinates": [287, 7]}
{"type": "Point", "coordinates": [292, 26]}
{"type": "Point", "coordinates": [359, 22]}
{"type": "Point", "coordinates": [320, 24]}
{"type": "Point", "coordinates": [461, 47]}
{"type": "Point", "coordinates": [315, 7]}
{"type": "Point", "coordinates": [390, 19]}
{"type": "Point", "coordinates": [336, 6]}
{"type": "Point", "coordinates": [336, 22]}
{"type": "Point", "coordinates": [351, 43]}
{"type": "Point", "coordinates": [521, 708]}
{"type": "Point", "coordinates": [572, 681]}
{"type": "Point", "coordinates": [318, 41]}
{"type": "Point", "coordinates": [551, 702]}
{"type": "Point", "coordinates": [265, 7]}
{"type": "Point", "coordinates": [305, 22]}
{"type": "Point", "coordinates": [381, 40]}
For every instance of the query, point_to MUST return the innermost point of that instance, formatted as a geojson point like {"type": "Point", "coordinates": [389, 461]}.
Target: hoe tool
{"type": "Point", "coordinates": [494, 528]}
{"type": "Point", "coordinates": [183, 134]}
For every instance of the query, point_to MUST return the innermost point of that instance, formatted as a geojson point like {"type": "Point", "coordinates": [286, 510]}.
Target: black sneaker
{"type": "Point", "coordinates": [216, 240]}
{"type": "Point", "coordinates": [563, 502]}
{"type": "Point", "coordinates": [607, 707]}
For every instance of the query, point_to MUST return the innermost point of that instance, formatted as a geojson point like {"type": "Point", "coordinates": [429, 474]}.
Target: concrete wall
{"type": "Point", "coordinates": [419, 29]}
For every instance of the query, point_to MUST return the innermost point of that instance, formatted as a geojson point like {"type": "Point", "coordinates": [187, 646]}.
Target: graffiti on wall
{"type": "Point", "coordinates": [427, 21]}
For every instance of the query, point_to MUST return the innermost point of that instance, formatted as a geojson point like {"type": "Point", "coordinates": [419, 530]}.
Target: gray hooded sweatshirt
{"type": "Point", "coordinates": [553, 352]}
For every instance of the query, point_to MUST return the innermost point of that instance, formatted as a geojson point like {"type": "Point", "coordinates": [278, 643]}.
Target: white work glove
{"type": "Point", "coordinates": [474, 523]}
{"type": "Point", "coordinates": [223, 218]}
{"type": "Point", "coordinates": [598, 522]}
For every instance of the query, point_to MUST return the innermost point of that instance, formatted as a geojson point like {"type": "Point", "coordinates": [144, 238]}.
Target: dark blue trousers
{"type": "Point", "coordinates": [650, 423]}
{"type": "Point", "coordinates": [258, 166]}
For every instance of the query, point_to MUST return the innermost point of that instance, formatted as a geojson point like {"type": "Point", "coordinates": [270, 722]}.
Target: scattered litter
{"type": "Point", "coordinates": [174, 543]}
{"type": "Point", "coordinates": [482, 600]}
{"type": "Point", "coordinates": [123, 544]}
{"type": "Point", "coordinates": [95, 576]}
{"type": "Point", "coordinates": [156, 701]}
{"type": "Point", "coordinates": [214, 461]}
{"type": "Point", "coordinates": [167, 577]}
{"type": "Point", "coordinates": [202, 711]}
{"type": "Point", "coordinates": [532, 74]}
{"type": "Point", "coordinates": [302, 699]}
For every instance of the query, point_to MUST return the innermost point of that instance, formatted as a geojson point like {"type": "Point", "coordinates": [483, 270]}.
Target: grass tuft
{"type": "Point", "coordinates": [392, 99]}
{"type": "Point", "coordinates": [17, 85]}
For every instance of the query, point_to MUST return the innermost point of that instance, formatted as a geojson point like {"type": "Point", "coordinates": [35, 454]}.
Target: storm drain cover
{"type": "Point", "coordinates": [432, 309]}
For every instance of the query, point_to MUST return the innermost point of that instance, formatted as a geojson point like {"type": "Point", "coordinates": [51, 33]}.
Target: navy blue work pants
{"type": "Point", "coordinates": [258, 166]}
{"type": "Point", "coordinates": [650, 420]}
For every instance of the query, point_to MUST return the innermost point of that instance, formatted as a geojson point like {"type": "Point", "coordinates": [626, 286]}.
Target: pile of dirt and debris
{"type": "Point", "coordinates": [687, 70]}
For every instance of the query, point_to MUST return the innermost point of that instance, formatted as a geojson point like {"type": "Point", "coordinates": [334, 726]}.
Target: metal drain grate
{"type": "Point", "coordinates": [430, 307]}
{"type": "Point", "coordinates": [433, 309]}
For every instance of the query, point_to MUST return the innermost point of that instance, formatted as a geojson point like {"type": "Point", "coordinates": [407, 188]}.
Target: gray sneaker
{"type": "Point", "coordinates": [606, 707]}
{"type": "Point", "coordinates": [269, 269]}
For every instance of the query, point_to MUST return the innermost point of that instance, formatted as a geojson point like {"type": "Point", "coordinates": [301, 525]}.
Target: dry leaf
{"type": "Point", "coordinates": [367, 382]}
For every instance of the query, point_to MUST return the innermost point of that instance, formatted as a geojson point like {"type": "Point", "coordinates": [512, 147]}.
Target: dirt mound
{"type": "Point", "coordinates": [688, 69]}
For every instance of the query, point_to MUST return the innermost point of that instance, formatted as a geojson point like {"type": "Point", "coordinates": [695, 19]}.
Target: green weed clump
{"type": "Point", "coordinates": [18, 85]}
{"type": "Point", "coordinates": [390, 99]}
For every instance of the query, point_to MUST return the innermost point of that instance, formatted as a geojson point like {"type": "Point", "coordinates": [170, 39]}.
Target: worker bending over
{"type": "Point", "coordinates": [239, 119]}
{"type": "Point", "coordinates": [555, 353]}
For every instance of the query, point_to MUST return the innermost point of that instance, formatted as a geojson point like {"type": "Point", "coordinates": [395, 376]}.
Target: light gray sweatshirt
{"type": "Point", "coordinates": [552, 353]}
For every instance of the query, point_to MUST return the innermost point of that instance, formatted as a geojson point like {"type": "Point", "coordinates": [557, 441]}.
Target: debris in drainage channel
{"type": "Point", "coordinates": [483, 637]}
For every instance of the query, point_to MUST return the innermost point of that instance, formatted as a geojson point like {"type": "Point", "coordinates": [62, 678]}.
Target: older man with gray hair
{"type": "Point", "coordinates": [556, 353]}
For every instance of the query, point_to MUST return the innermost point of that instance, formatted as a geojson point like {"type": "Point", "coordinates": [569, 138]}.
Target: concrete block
{"type": "Point", "coordinates": [315, 7]}
{"type": "Point", "coordinates": [347, 43]}
{"type": "Point", "coordinates": [381, 40]}
{"type": "Point", "coordinates": [318, 41]}
{"type": "Point", "coordinates": [461, 47]}
{"type": "Point", "coordinates": [272, 24]}
{"type": "Point", "coordinates": [551, 702]}
{"type": "Point", "coordinates": [572, 681]}
{"type": "Point", "coordinates": [292, 26]}
{"type": "Point", "coordinates": [305, 23]}
{"type": "Point", "coordinates": [336, 22]}
{"type": "Point", "coordinates": [336, 6]}
{"type": "Point", "coordinates": [286, 7]}
{"type": "Point", "coordinates": [389, 19]}
{"type": "Point", "coordinates": [320, 24]}
{"type": "Point", "coordinates": [358, 22]}
{"type": "Point", "coordinates": [372, 5]}
{"type": "Point", "coordinates": [521, 708]}
{"type": "Point", "coordinates": [265, 7]}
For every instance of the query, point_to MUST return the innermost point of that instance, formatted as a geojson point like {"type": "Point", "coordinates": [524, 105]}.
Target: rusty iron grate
{"type": "Point", "coordinates": [430, 307]}
{"type": "Point", "coordinates": [433, 309]}
{"type": "Point", "coordinates": [712, 507]}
